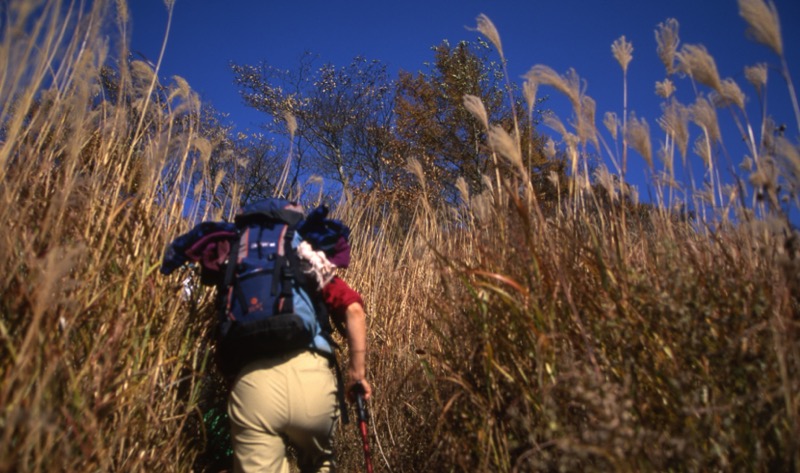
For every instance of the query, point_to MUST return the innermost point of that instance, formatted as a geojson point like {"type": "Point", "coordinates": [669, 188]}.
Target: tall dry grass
{"type": "Point", "coordinates": [100, 361]}
{"type": "Point", "coordinates": [600, 334]}
{"type": "Point", "coordinates": [516, 332]}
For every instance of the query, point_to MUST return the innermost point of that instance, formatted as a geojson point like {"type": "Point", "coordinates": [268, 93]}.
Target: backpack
{"type": "Point", "coordinates": [267, 304]}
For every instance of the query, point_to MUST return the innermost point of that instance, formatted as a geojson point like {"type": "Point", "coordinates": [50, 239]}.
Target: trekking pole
{"type": "Point", "coordinates": [361, 408]}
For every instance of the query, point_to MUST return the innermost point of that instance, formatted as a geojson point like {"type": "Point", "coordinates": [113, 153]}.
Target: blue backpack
{"type": "Point", "coordinates": [268, 304]}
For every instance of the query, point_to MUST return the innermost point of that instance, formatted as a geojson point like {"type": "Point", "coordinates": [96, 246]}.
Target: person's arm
{"type": "Point", "coordinates": [347, 308]}
{"type": "Point", "coordinates": [356, 328]}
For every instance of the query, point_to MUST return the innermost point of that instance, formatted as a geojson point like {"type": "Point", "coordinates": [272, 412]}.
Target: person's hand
{"type": "Point", "coordinates": [352, 386]}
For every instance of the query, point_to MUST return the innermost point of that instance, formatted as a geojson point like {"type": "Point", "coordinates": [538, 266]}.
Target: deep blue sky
{"type": "Point", "coordinates": [207, 34]}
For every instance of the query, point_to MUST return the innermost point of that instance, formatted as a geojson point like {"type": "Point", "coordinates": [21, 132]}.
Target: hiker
{"type": "Point", "coordinates": [279, 361]}
{"type": "Point", "coordinates": [292, 399]}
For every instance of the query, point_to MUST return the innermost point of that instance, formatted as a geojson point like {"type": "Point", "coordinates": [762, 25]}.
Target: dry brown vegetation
{"type": "Point", "coordinates": [585, 332]}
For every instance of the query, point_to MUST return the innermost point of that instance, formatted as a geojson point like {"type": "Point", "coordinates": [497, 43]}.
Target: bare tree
{"type": "Point", "coordinates": [344, 116]}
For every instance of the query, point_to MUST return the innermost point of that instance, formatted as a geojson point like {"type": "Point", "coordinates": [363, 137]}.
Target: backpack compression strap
{"type": "Point", "coordinates": [230, 270]}
{"type": "Point", "coordinates": [284, 273]}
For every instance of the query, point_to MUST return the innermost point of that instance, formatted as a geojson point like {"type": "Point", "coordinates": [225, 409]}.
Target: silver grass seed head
{"type": "Point", "coordinates": [633, 194]}
{"type": "Point", "coordinates": [668, 40]}
{"type": "Point", "coordinates": [675, 122]}
{"type": "Point", "coordinates": [291, 123]}
{"type": "Point", "coordinates": [665, 89]}
{"type": "Point", "coordinates": [571, 142]}
{"type": "Point", "coordinates": [696, 62]}
{"type": "Point", "coordinates": [705, 194]}
{"type": "Point", "coordinates": [611, 123]}
{"type": "Point", "coordinates": [487, 28]}
{"type": "Point", "coordinates": [142, 74]}
{"type": "Point", "coordinates": [506, 146]}
{"type": "Point", "coordinates": [204, 147]}
{"type": "Point", "coordinates": [569, 84]}
{"type": "Point", "coordinates": [770, 132]}
{"type": "Point", "coordinates": [552, 176]}
{"type": "Point", "coordinates": [666, 159]}
{"type": "Point", "coordinates": [788, 155]}
{"type": "Point", "coordinates": [415, 167]}
{"type": "Point", "coordinates": [623, 52]}
{"type": "Point", "coordinates": [638, 134]}
{"type": "Point", "coordinates": [474, 105]}
{"type": "Point", "coordinates": [729, 94]}
{"type": "Point", "coordinates": [747, 164]}
{"type": "Point", "coordinates": [487, 184]}
{"type": "Point", "coordinates": [702, 149]}
{"type": "Point", "coordinates": [763, 23]}
{"type": "Point", "coordinates": [766, 174]}
{"type": "Point", "coordinates": [463, 189]}
{"type": "Point", "coordinates": [606, 180]}
{"type": "Point", "coordinates": [666, 179]}
{"type": "Point", "coordinates": [586, 128]}
{"type": "Point", "coordinates": [705, 116]}
{"type": "Point", "coordinates": [756, 75]}
{"type": "Point", "coordinates": [123, 13]}
{"type": "Point", "coordinates": [552, 121]}
{"type": "Point", "coordinates": [529, 90]}
{"type": "Point", "coordinates": [482, 206]}
{"type": "Point", "coordinates": [181, 92]}
{"type": "Point", "coordinates": [550, 149]}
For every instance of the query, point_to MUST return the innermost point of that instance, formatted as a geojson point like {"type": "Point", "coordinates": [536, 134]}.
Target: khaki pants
{"type": "Point", "coordinates": [288, 399]}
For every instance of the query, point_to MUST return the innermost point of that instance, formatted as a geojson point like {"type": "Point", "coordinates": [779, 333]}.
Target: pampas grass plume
{"type": "Point", "coordinates": [703, 114]}
{"type": "Point", "coordinates": [586, 129]}
{"type": "Point", "coordinates": [695, 61]}
{"type": "Point", "coordinates": [568, 85]}
{"type": "Point", "coordinates": [730, 93]}
{"type": "Point", "coordinates": [415, 167]}
{"type": "Point", "coordinates": [291, 123]}
{"type": "Point", "coordinates": [123, 14]}
{"type": "Point", "coordinates": [506, 146]}
{"type": "Point", "coordinates": [487, 28]}
{"type": "Point", "coordinates": [552, 121]}
{"type": "Point", "coordinates": [623, 52]}
{"type": "Point", "coordinates": [763, 23]}
{"type": "Point", "coordinates": [550, 149]}
{"type": "Point", "coordinates": [606, 180]}
{"type": "Point", "coordinates": [529, 90]}
{"type": "Point", "coordinates": [204, 147]}
{"type": "Point", "coordinates": [790, 157]}
{"type": "Point", "coordinates": [675, 122]}
{"type": "Point", "coordinates": [702, 149]}
{"type": "Point", "coordinates": [552, 176]}
{"type": "Point", "coordinates": [757, 75]}
{"type": "Point", "coordinates": [463, 189]}
{"type": "Point", "coordinates": [665, 89]}
{"type": "Point", "coordinates": [638, 134]}
{"type": "Point", "coordinates": [611, 123]}
{"type": "Point", "coordinates": [667, 39]}
{"type": "Point", "coordinates": [474, 105]}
